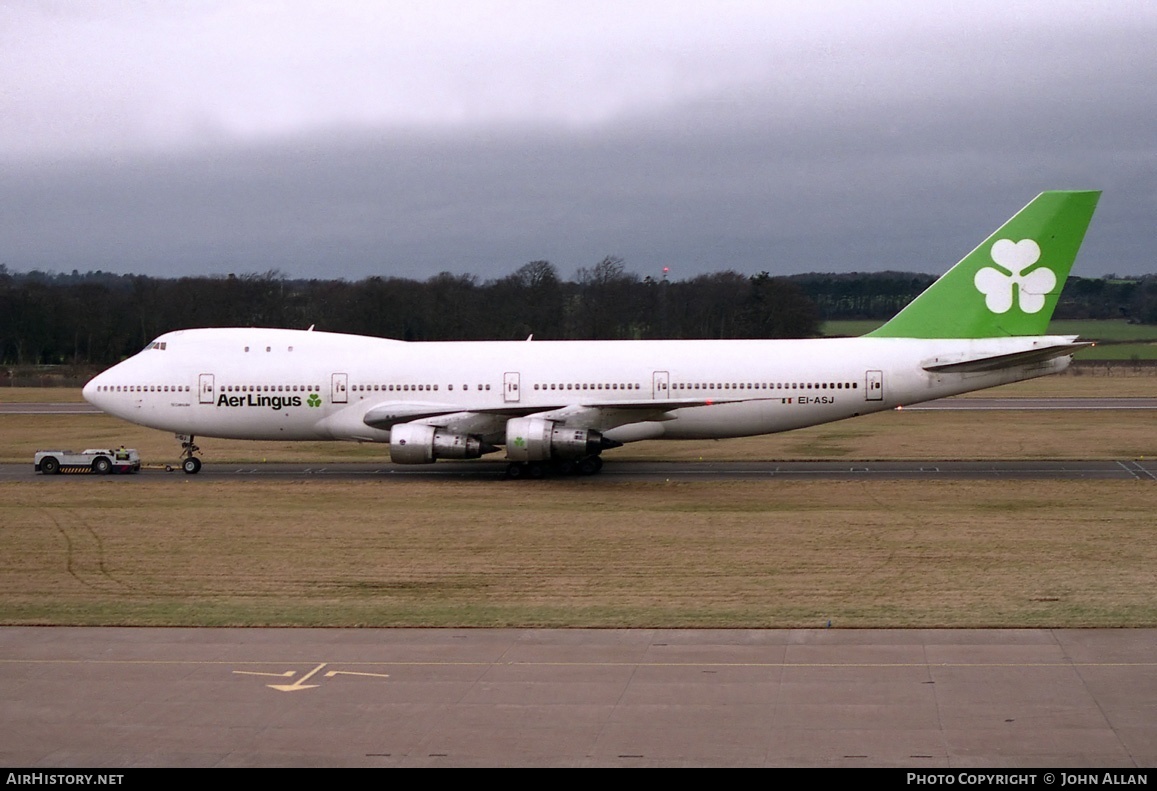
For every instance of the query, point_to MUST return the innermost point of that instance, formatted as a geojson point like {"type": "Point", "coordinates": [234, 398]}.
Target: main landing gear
{"type": "Point", "coordinates": [589, 465]}
{"type": "Point", "coordinates": [189, 463]}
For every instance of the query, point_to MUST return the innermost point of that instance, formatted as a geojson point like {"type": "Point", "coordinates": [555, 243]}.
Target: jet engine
{"type": "Point", "coordinates": [538, 439]}
{"type": "Point", "coordinates": [416, 443]}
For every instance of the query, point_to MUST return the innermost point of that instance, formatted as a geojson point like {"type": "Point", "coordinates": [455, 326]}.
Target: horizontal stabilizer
{"type": "Point", "coordinates": [994, 362]}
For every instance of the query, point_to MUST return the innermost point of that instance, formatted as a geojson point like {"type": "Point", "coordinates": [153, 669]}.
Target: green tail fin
{"type": "Point", "coordinates": [1010, 284]}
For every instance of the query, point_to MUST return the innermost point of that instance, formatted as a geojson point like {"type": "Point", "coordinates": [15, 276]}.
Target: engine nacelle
{"type": "Point", "coordinates": [538, 439]}
{"type": "Point", "coordinates": [415, 443]}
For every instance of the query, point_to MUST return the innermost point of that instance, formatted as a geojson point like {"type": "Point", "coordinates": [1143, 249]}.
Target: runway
{"type": "Point", "coordinates": [1100, 469]}
{"type": "Point", "coordinates": [1121, 469]}
{"type": "Point", "coordinates": [81, 408]}
{"type": "Point", "coordinates": [1034, 404]}
{"type": "Point", "coordinates": [109, 697]}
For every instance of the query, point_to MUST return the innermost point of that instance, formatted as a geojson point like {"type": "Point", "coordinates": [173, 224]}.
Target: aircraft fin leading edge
{"type": "Point", "coordinates": [1010, 284]}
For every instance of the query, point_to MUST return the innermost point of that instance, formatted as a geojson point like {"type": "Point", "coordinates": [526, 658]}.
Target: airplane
{"type": "Point", "coordinates": [555, 406]}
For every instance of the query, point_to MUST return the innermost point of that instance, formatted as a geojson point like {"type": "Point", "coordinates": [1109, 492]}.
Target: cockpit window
{"type": "Point", "coordinates": [156, 345]}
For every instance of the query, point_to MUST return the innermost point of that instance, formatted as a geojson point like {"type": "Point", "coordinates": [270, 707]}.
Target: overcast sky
{"type": "Point", "coordinates": [399, 138]}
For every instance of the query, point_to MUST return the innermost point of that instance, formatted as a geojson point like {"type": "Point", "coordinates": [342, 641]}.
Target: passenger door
{"type": "Point", "coordinates": [510, 388]}
{"type": "Point", "coordinates": [338, 389]}
{"type": "Point", "coordinates": [205, 394]}
{"type": "Point", "coordinates": [660, 385]}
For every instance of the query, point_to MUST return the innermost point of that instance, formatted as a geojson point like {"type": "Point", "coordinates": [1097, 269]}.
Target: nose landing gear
{"type": "Point", "coordinates": [189, 463]}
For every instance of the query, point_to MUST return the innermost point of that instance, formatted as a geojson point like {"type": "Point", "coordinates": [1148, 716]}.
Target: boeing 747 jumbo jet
{"type": "Point", "coordinates": [557, 405]}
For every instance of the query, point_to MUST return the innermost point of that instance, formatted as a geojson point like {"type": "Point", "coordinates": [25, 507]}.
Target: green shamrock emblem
{"type": "Point", "coordinates": [520, 442]}
{"type": "Point", "coordinates": [313, 400]}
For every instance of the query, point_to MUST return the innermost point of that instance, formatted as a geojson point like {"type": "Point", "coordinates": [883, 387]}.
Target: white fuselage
{"type": "Point", "coordinates": [300, 385]}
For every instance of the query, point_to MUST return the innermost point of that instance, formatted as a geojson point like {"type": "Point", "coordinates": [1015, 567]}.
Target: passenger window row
{"type": "Point", "coordinates": [143, 389]}
{"type": "Point", "coordinates": [716, 386]}
{"type": "Point", "coordinates": [765, 386]}
{"type": "Point", "coordinates": [391, 388]}
{"type": "Point", "coordinates": [271, 388]}
{"type": "Point", "coordinates": [396, 388]}
{"type": "Point", "coordinates": [588, 386]}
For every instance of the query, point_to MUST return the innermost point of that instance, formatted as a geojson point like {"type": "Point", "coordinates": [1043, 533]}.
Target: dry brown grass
{"type": "Point", "coordinates": [40, 395]}
{"type": "Point", "coordinates": [579, 553]}
{"type": "Point", "coordinates": [888, 435]}
{"type": "Point", "coordinates": [22, 435]}
{"type": "Point", "coordinates": [917, 435]}
{"type": "Point", "coordinates": [589, 552]}
{"type": "Point", "coordinates": [1079, 384]}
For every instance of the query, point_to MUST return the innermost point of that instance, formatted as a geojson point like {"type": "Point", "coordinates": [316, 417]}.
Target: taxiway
{"type": "Point", "coordinates": [109, 697]}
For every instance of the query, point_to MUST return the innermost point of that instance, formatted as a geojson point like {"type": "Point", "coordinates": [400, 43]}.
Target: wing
{"type": "Point", "coordinates": [601, 416]}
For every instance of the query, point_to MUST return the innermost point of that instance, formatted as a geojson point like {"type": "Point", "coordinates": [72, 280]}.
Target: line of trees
{"type": "Point", "coordinates": [100, 318]}
{"type": "Point", "coordinates": [881, 295]}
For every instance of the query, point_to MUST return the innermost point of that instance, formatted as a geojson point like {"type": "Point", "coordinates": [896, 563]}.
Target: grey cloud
{"type": "Point", "coordinates": [858, 162]}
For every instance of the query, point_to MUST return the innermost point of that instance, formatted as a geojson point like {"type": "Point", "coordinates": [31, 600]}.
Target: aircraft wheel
{"type": "Point", "coordinates": [514, 471]}
{"type": "Point", "coordinates": [590, 465]}
{"type": "Point", "coordinates": [191, 465]}
{"type": "Point", "coordinates": [565, 467]}
{"type": "Point", "coordinates": [535, 469]}
{"type": "Point", "coordinates": [101, 466]}
{"type": "Point", "coordinates": [50, 466]}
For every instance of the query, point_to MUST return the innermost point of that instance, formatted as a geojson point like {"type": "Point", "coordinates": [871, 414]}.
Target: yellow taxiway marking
{"type": "Point", "coordinates": [333, 673]}
{"type": "Point", "coordinates": [300, 683]}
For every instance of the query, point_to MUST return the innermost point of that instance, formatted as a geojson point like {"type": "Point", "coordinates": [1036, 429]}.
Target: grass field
{"type": "Point", "coordinates": [588, 552]}
{"type": "Point", "coordinates": [1119, 351]}
{"type": "Point", "coordinates": [1117, 338]}
{"type": "Point", "coordinates": [579, 552]}
{"type": "Point", "coordinates": [1099, 330]}
{"type": "Point", "coordinates": [41, 395]}
{"type": "Point", "coordinates": [1105, 330]}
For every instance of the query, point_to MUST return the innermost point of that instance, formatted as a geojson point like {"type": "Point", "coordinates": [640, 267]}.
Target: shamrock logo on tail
{"type": "Point", "coordinates": [313, 400]}
{"type": "Point", "coordinates": [997, 284]}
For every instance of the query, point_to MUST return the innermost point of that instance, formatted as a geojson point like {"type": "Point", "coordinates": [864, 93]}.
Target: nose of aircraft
{"type": "Point", "coordinates": [90, 391]}
{"type": "Point", "coordinates": [93, 393]}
